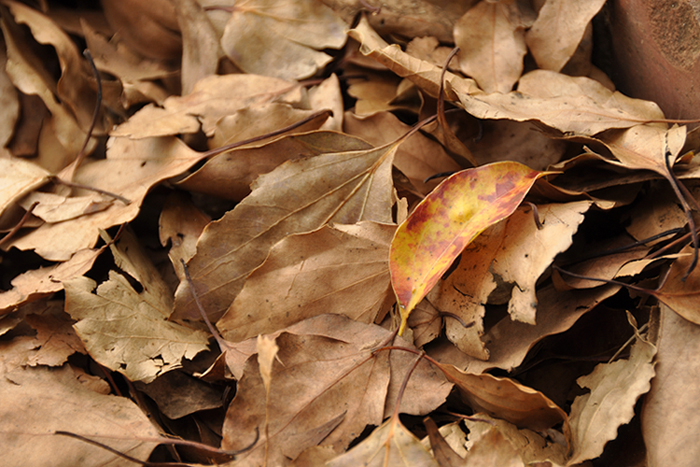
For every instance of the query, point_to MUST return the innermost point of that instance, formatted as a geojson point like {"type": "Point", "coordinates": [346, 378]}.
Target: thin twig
{"type": "Point", "coordinates": [55, 179]}
{"type": "Point", "coordinates": [19, 224]}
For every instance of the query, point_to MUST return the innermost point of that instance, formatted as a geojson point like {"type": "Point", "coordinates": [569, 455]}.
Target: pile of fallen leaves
{"type": "Point", "coordinates": [331, 173]}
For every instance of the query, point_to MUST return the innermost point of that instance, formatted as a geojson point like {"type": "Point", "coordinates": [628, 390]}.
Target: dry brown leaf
{"type": "Point", "coordinates": [341, 269]}
{"type": "Point", "coordinates": [381, 91]}
{"type": "Point", "coordinates": [52, 208]}
{"type": "Point", "coordinates": [201, 50]}
{"type": "Point", "coordinates": [56, 337]}
{"type": "Point", "coordinates": [260, 119]}
{"type": "Point", "coordinates": [681, 293]}
{"type": "Point", "coordinates": [179, 394]}
{"type": "Point", "coordinates": [73, 88]}
{"type": "Point", "coordinates": [390, 445]}
{"type": "Point", "coordinates": [409, 18]}
{"type": "Point", "coordinates": [670, 412]}
{"type": "Point", "coordinates": [328, 95]}
{"type": "Point", "coordinates": [424, 74]}
{"type": "Point", "coordinates": [326, 386]}
{"type": "Point", "coordinates": [425, 322]}
{"type": "Point", "coordinates": [282, 38]}
{"type": "Point", "coordinates": [615, 388]}
{"type": "Point", "coordinates": [130, 170]}
{"type": "Point", "coordinates": [128, 331]}
{"type": "Point", "coordinates": [530, 447]}
{"type": "Point", "coordinates": [506, 399]}
{"type": "Point", "coordinates": [298, 196]}
{"type": "Point", "coordinates": [491, 38]}
{"type": "Point", "coordinates": [443, 452]}
{"type": "Point", "coordinates": [9, 100]}
{"type": "Point", "coordinates": [418, 159]}
{"type": "Point", "coordinates": [180, 225]}
{"type": "Point", "coordinates": [211, 99]}
{"type": "Point", "coordinates": [558, 30]}
{"type": "Point", "coordinates": [34, 284]}
{"type": "Point", "coordinates": [492, 448]}
{"type": "Point", "coordinates": [37, 402]}
{"type": "Point", "coordinates": [502, 265]}
{"type": "Point", "coordinates": [18, 177]}
{"type": "Point", "coordinates": [574, 105]}
{"type": "Point", "coordinates": [521, 142]}
{"type": "Point", "coordinates": [229, 175]}
{"type": "Point", "coordinates": [509, 341]}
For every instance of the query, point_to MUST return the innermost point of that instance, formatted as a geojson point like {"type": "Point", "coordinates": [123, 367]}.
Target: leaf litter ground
{"type": "Point", "coordinates": [534, 244]}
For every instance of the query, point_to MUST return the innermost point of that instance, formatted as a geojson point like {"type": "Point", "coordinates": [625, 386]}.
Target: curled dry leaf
{"type": "Point", "coordinates": [679, 293]}
{"type": "Point", "coordinates": [282, 38]}
{"type": "Point", "coordinates": [506, 399]}
{"type": "Point", "coordinates": [509, 341]}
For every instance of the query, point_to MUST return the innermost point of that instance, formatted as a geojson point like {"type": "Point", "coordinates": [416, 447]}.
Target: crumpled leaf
{"type": "Point", "coordinates": [443, 452]}
{"type": "Point", "coordinates": [282, 38]}
{"type": "Point", "coordinates": [670, 412]}
{"type": "Point", "coordinates": [615, 388]}
{"type": "Point", "coordinates": [299, 196]}
{"type": "Point", "coordinates": [128, 331]}
{"type": "Point", "coordinates": [18, 177]}
{"type": "Point", "coordinates": [36, 402]}
{"type": "Point", "coordinates": [341, 269]}
{"type": "Point", "coordinates": [491, 38]}
{"type": "Point", "coordinates": [390, 445]}
{"type": "Point", "coordinates": [447, 220]}
{"type": "Point", "coordinates": [339, 387]}
{"type": "Point", "coordinates": [559, 28]}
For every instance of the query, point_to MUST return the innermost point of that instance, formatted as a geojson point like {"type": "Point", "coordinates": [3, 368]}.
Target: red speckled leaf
{"type": "Point", "coordinates": [451, 216]}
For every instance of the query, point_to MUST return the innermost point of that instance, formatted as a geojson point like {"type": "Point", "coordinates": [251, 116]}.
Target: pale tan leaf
{"type": "Point", "coordinates": [282, 38]}
{"type": "Point", "coordinates": [576, 105]}
{"type": "Point", "coordinates": [492, 448]}
{"type": "Point", "coordinates": [615, 388]}
{"type": "Point", "coordinates": [56, 337]}
{"type": "Point", "coordinates": [37, 402]}
{"type": "Point", "coordinates": [531, 447]}
{"type": "Point", "coordinates": [18, 177]}
{"type": "Point", "coordinates": [54, 208]}
{"type": "Point", "coordinates": [328, 95]}
{"type": "Point", "coordinates": [130, 170]}
{"type": "Point", "coordinates": [267, 352]}
{"type": "Point", "coordinates": [34, 284]}
{"type": "Point", "coordinates": [211, 98]}
{"type": "Point", "coordinates": [9, 100]}
{"type": "Point", "coordinates": [670, 412]}
{"type": "Point", "coordinates": [390, 445]}
{"type": "Point", "coordinates": [491, 39]}
{"type": "Point", "coordinates": [559, 28]}
{"type": "Point", "coordinates": [340, 269]}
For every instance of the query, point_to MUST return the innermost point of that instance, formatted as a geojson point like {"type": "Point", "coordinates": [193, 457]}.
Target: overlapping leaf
{"type": "Point", "coordinates": [443, 224]}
